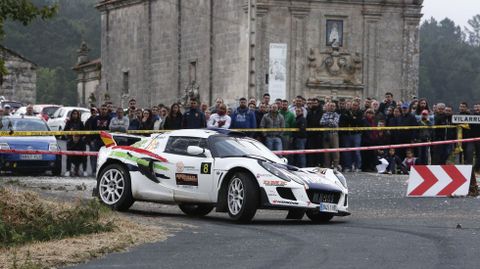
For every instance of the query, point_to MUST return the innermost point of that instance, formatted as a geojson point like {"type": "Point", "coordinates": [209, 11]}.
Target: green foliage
{"type": "Point", "coordinates": [38, 221]}
{"type": "Point", "coordinates": [53, 44]}
{"type": "Point", "coordinates": [24, 11]}
{"type": "Point", "coordinates": [448, 63]}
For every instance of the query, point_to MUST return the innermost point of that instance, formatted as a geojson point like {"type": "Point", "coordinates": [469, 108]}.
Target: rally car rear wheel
{"type": "Point", "coordinates": [242, 197]}
{"type": "Point", "coordinates": [196, 210]}
{"type": "Point", "coordinates": [114, 187]}
{"type": "Point", "coordinates": [319, 217]}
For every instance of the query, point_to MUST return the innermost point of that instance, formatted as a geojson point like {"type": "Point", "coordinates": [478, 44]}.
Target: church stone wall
{"type": "Point", "coordinates": [19, 84]}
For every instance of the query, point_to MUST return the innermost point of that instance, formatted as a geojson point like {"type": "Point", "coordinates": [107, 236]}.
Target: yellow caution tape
{"type": "Point", "coordinates": [352, 129]}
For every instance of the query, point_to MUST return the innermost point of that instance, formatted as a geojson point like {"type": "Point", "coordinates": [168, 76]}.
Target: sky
{"type": "Point", "coordinates": [460, 11]}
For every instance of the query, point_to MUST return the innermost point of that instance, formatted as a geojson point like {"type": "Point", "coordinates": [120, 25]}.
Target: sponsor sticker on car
{"type": "Point", "coordinates": [186, 179]}
{"type": "Point", "coordinates": [274, 183]}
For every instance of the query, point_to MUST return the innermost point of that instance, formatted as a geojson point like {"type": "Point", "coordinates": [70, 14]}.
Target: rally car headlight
{"type": "Point", "coordinates": [341, 178]}
{"type": "Point", "coordinates": [4, 146]}
{"type": "Point", "coordinates": [274, 170]}
{"type": "Point", "coordinates": [53, 147]}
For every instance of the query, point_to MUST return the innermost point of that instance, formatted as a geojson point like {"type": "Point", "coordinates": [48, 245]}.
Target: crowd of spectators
{"type": "Point", "coordinates": [305, 113]}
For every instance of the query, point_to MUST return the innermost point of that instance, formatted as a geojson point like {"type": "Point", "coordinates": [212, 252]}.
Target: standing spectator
{"type": "Point", "coordinates": [155, 113]}
{"type": "Point", "coordinates": [194, 118]}
{"type": "Point", "coordinates": [424, 135]}
{"type": "Point", "coordinates": [147, 120]}
{"type": "Point", "coordinates": [273, 119]}
{"type": "Point", "coordinates": [259, 113]}
{"type": "Point", "coordinates": [135, 122]}
{"type": "Point", "coordinates": [440, 153]}
{"type": "Point", "coordinates": [7, 110]}
{"type": "Point", "coordinates": [290, 122]}
{"type": "Point", "coordinates": [252, 107]}
{"type": "Point", "coordinates": [370, 138]}
{"type": "Point", "coordinates": [466, 156]}
{"type": "Point", "coordinates": [299, 104]}
{"type": "Point", "coordinates": [218, 102]}
{"type": "Point", "coordinates": [220, 119]}
{"type": "Point", "coordinates": [29, 111]}
{"type": "Point", "coordinates": [76, 143]}
{"type": "Point", "coordinates": [378, 114]}
{"type": "Point", "coordinates": [314, 139]}
{"type": "Point", "coordinates": [100, 123]}
{"type": "Point", "coordinates": [330, 119]}
{"type": "Point", "coordinates": [300, 137]}
{"type": "Point", "coordinates": [119, 123]}
{"type": "Point", "coordinates": [352, 118]}
{"type": "Point", "coordinates": [475, 132]}
{"type": "Point", "coordinates": [422, 105]}
{"type": "Point", "coordinates": [266, 99]}
{"type": "Point", "coordinates": [242, 117]}
{"type": "Point", "coordinates": [74, 123]}
{"type": "Point", "coordinates": [204, 108]}
{"type": "Point", "coordinates": [110, 108]}
{"type": "Point", "coordinates": [174, 118]}
{"type": "Point", "coordinates": [89, 138]}
{"type": "Point", "coordinates": [367, 104]}
{"type": "Point", "coordinates": [387, 103]}
{"type": "Point", "coordinates": [130, 111]}
{"type": "Point", "coordinates": [406, 136]}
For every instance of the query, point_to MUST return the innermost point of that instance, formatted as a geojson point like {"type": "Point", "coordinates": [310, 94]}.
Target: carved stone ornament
{"type": "Point", "coordinates": [335, 66]}
{"type": "Point", "coordinates": [192, 91]}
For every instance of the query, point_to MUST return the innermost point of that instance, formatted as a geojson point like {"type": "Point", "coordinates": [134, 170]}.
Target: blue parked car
{"type": "Point", "coordinates": [28, 163]}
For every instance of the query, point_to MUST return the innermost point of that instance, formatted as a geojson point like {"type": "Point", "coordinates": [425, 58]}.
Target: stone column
{"type": "Point", "coordinates": [410, 58]}
{"type": "Point", "coordinates": [298, 52]}
{"type": "Point", "coordinates": [261, 53]}
{"type": "Point", "coordinates": [370, 41]}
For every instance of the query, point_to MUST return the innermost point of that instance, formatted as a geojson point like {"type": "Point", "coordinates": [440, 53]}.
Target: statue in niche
{"type": "Point", "coordinates": [334, 33]}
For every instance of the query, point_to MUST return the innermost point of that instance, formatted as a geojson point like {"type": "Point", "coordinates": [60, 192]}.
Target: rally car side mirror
{"type": "Point", "coordinates": [195, 151]}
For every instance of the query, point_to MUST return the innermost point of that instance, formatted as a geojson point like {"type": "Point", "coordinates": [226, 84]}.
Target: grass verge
{"type": "Point", "coordinates": [37, 233]}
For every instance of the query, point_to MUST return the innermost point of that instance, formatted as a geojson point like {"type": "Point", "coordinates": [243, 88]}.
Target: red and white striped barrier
{"type": "Point", "coordinates": [284, 152]}
{"type": "Point", "coordinates": [412, 145]}
{"type": "Point", "coordinates": [439, 180]}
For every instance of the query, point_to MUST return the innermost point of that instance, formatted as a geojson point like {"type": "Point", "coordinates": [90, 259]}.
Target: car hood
{"type": "Point", "coordinates": [24, 142]}
{"type": "Point", "coordinates": [316, 178]}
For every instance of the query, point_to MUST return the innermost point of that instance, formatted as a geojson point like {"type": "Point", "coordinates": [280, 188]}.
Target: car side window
{"type": "Point", "coordinates": [180, 144]}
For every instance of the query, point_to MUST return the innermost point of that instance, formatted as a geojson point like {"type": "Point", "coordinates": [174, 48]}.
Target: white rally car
{"type": "Point", "coordinates": [204, 169]}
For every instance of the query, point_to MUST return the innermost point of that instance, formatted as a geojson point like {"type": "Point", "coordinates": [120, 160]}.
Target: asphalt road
{"type": "Point", "coordinates": [385, 230]}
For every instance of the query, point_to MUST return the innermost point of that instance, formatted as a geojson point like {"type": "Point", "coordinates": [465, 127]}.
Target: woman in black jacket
{"type": "Point", "coordinates": [174, 119]}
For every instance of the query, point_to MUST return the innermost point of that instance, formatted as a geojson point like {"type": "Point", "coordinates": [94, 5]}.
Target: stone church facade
{"type": "Point", "coordinates": [157, 50]}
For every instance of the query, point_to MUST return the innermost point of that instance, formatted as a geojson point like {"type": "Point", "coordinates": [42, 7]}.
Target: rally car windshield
{"type": "Point", "coordinates": [224, 146]}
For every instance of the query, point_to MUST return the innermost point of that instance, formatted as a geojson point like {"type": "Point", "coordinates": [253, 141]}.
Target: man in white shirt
{"type": "Point", "coordinates": [220, 119]}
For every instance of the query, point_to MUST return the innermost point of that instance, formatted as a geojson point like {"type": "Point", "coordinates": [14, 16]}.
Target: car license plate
{"type": "Point", "coordinates": [30, 156]}
{"type": "Point", "coordinates": [327, 207]}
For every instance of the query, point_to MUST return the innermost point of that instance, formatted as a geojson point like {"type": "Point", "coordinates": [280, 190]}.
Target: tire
{"type": "Point", "coordinates": [114, 187]}
{"type": "Point", "coordinates": [196, 210]}
{"type": "Point", "coordinates": [319, 217]}
{"type": "Point", "coordinates": [242, 197]}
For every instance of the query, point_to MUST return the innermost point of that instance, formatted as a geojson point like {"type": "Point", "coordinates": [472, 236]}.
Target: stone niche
{"type": "Point", "coordinates": [334, 72]}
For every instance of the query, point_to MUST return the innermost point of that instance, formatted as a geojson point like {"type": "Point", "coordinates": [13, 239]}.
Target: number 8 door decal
{"type": "Point", "coordinates": [205, 168]}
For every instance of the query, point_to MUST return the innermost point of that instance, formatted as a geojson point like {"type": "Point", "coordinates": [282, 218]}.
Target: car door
{"type": "Point", "coordinates": [191, 175]}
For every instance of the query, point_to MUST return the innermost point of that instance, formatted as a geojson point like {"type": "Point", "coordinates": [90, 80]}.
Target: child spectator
{"type": "Point", "coordinates": [409, 160]}
{"type": "Point", "coordinates": [394, 163]}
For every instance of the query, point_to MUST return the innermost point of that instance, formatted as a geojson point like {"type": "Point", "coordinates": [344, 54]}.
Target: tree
{"type": "Point", "coordinates": [23, 11]}
{"type": "Point", "coordinates": [473, 31]}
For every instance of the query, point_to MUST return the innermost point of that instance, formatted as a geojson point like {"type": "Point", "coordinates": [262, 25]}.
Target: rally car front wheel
{"type": "Point", "coordinates": [114, 187]}
{"type": "Point", "coordinates": [242, 197]}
